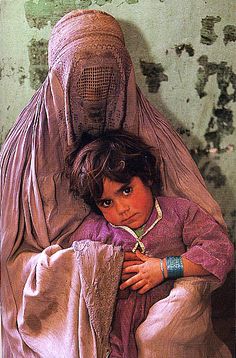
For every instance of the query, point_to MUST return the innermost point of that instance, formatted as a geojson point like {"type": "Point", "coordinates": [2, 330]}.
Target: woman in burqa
{"type": "Point", "coordinates": [48, 307]}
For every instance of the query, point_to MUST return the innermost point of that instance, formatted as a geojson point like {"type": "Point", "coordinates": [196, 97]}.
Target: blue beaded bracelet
{"type": "Point", "coordinates": [174, 266]}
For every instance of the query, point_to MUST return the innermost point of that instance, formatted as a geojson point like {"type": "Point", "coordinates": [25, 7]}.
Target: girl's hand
{"type": "Point", "coordinates": [147, 275]}
{"type": "Point", "coordinates": [130, 259]}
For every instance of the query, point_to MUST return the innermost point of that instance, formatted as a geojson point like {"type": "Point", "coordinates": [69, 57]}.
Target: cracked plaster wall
{"type": "Point", "coordinates": [184, 57]}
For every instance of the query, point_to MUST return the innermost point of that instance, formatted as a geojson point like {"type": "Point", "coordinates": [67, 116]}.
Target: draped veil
{"type": "Point", "coordinates": [90, 87]}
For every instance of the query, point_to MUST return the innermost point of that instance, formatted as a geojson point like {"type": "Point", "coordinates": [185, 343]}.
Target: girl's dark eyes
{"type": "Point", "coordinates": [127, 190]}
{"type": "Point", "coordinates": [105, 203]}
{"type": "Point", "coordinates": [108, 202]}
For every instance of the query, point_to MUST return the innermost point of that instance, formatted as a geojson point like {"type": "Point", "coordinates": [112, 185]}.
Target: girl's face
{"type": "Point", "coordinates": [128, 204]}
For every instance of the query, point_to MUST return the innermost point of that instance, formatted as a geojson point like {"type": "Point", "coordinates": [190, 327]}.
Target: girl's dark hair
{"type": "Point", "coordinates": [115, 154]}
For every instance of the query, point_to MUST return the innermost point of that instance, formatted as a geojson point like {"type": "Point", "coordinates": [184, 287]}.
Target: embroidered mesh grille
{"type": "Point", "coordinates": [97, 83]}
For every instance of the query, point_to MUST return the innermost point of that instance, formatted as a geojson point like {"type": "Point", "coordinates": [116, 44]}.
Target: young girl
{"type": "Point", "coordinates": [164, 238]}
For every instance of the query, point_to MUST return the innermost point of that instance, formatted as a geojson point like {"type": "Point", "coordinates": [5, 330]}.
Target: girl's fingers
{"type": "Point", "coordinates": [142, 256]}
{"type": "Point", "coordinates": [144, 289]}
{"type": "Point", "coordinates": [129, 269]}
{"type": "Point", "coordinates": [126, 276]}
{"type": "Point", "coordinates": [131, 263]}
{"type": "Point", "coordinates": [131, 281]}
{"type": "Point", "coordinates": [138, 285]}
{"type": "Point", "coordinates": [130, 256]}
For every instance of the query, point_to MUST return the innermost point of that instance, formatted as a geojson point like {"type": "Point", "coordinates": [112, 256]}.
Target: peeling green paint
{"type": "Point", "coordinates": [207, 69]}
{"type": "Point", "coordinates": [221, 121]}
{"type": "Point", "coordinates": [232, 227]}
{"type": "Point", "coordinates": [83, 4]}
{"type": "Point", "coordinates": [220, 124]}
{"type": "Point", "coordinates": [197, 154]}
{"type": "Point", "coordinates": [154, 75]}
{"type": "Point", "coordinates": [38, 54]}
{"type": "Point", "coordinates": [183, 131]}
{"type": "Point", "coordinates": [224, 118]}
{"type": "Point", "coordinates": [231, 231]}
{"type": "Point", "coordinates": [7, 70]}
{"type": "Point", "coordinates": [102, 2]}
{"type": "Point", "coordinates": [132, 1]}
{"type": "Point", "coordinates": [208, 35]}
{"type": "Point", "coordinates": [229, 33]}
{"type": "Point", "coordinates": [187, 47]}
{"type": "Point", "coordinates": [39, 14]}
{"type": "Point", "coordinates": [212, 174]}
{"type": "Point", "coordinates": [22, 75]}
{"type": "Point", "coordinates": [224, 75]}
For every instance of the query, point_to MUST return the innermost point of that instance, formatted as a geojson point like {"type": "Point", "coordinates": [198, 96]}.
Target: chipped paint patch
{"type": "Point", "coordinates": [207, 69]}
{"type": "Point", "coordinates": [38, 54]}
{"type": "Point", "coordinates": [224, 118]}
{"type": "Point", "coordinates": [220, 124]}
{"type": "Point", "coordinates": [229, 33]}
{"type": "Point", "coordinates": [3, 67]}
{"type": "Point", "coordinates": [208, 35]}
{"type": "Point", "coordinates": [22, 75]}
{"type": "Point", "coordinates": [212, 174]}
{"type": "Point", "coordinates": [39, 14]}
{"type": "Point", "coordinates": [221, 121]}
{"type": "Point", "coordinates": [154, 75]}
{"type": "Point", "coordinates": [9, 70]}
{"type": "Point", "coordinates": [102, 2]}
{"type": "Point", "coordinates": [184, 47]}
{"type": "Point", "coordinates": [132, 1]}
{"type": "Point", "coordinates": [83, 4]}
{"type": "Point", "coordinates": [224, 76]}
{"type": "Point", "coordinates": [183, 131]}
{"type": "Point", "coordinates": [197, 154]}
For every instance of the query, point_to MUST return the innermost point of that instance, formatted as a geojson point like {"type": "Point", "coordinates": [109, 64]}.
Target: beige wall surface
{"type": "Point", "coordinates": [184, 57]}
